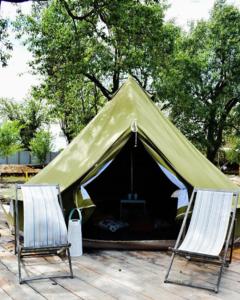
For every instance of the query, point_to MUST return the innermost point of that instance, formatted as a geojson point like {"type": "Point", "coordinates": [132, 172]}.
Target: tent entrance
{"type": "Point", "coordinates": [133, 199]}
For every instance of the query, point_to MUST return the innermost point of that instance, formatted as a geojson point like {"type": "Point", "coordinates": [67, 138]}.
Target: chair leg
{"type": "Point", "coordinates": [232, 242]}
{"type": "Point", "coordinates": [70, 262]}
{"type": "Point", "coordinates": [169, 268]}
{"type": "Point", "coordinates": [219, 276]}
{"type": "Point", "coordinates": [19, 254]}
{"type": "Point", "coordinates": [216, 289]}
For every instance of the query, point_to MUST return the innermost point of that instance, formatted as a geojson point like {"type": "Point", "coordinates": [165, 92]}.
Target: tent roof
{"type": "Point", "coordinates": [106, 134]}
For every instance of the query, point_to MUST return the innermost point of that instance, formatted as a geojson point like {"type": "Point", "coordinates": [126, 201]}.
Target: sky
{"type": "Point", "coordinates": [16, 79]}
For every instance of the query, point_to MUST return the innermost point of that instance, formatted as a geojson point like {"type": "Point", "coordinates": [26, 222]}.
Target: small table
{"type": "Point", "coordinates": [132, 202]}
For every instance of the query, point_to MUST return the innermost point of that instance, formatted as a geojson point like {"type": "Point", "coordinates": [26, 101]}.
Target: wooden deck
{"type": "Point", "coordinates": [105, 275]}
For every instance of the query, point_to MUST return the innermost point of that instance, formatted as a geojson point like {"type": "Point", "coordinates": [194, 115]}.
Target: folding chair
{"type": "Point", "coordinates": [45, 231]}
{"type": "Point", "coordinates": [209, 232]}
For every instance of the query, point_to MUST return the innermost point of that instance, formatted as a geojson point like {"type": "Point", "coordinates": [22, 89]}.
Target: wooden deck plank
{"type": "Point", "coordinates": [9, 284]}
{"type": "Point", "coordinates": [134, 258]}
{"type": "Point", "coordinates": [125, 278]}
{"type": "Point", "coordinates": [143, 262]}
{"type": "Point", "coordinates": [154, 276]}
{"type": "Point", "coordinates": [3, 294]}
{"type": "Point", "coordinates": [109, 275]}
{"type": "Point", "coordinates": [230, 275]}
{"type": "Point", "coordinates": [83, 289]}
{"type": "Point", "coordinates": [77, 285]}
{"type": "Point", "coordinates": [104, 282]}
{"type": "Point", "coordinates": [207, 272]}
{"type": "Point", "coordinates": [49, 289]}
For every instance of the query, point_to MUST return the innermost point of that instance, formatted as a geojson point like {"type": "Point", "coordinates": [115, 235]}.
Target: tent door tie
{"type": "Point", "coordinates": [134, 129]}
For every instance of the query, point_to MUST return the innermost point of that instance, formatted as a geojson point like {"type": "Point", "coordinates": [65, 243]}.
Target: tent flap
{"type": "Point", "coordinates": [183, 192]}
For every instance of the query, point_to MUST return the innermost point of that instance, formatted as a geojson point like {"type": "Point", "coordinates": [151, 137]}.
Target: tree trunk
{"type": "Point", "coordinates": [65, 130]}
{"type": "Point", "coordinates": [67, 134]}
{"type": "Point", "coordinates": [211, 149]}
{"type": "Point", "coordinates": [211, 153]}
{"type": "Point", "coordinates": [214, 135]}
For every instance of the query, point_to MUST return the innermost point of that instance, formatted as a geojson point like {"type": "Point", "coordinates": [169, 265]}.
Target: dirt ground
{"type": "Point", "coordinates": [235, 179]}
{"type": "Point", "coordinates": [17, 169]}
{"type": "Point", "coordinates": [7, 187]}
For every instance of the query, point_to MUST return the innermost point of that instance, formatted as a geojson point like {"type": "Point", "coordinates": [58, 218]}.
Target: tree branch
{"type": "Point", "coordinates": [222, 122]}
{"type": "Point", "coordinates": [75, 17]}
{"type": "Point", "coordinates": [96, 7]}
{"type": "Point", "coordinates": [231, 103]}
{"type": "Point", "coordinates": [105, 91]}
{"type": "Point", "coordinates": [115, 72]}
{"type": "Point", "coordinates": [139, 82]}
{"type": "Point", "coordinates": [214, 92]}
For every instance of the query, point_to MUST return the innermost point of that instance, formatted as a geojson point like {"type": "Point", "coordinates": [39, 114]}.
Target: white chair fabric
{"type": "Point", "coordinates": [44, 224]}
{"type": "Point", "coordinates": [209, 223]}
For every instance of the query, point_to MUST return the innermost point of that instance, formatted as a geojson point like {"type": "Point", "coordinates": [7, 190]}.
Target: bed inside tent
{"type": "Point", "coordinates": [134, 197]}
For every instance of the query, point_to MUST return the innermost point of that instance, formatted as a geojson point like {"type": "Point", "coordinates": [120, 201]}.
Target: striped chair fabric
{"type": "Point", "coordinates": [209, 223]}
{"type": "Point", "coordinates": [44, 224]}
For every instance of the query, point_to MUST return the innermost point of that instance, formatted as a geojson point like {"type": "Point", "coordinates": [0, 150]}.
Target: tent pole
{"type": "Point", "coordinates": [131, 172]}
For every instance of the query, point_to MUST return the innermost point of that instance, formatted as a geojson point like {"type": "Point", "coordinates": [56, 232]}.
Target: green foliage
{"type": "Point", "coordinates": [72, 102]}
{"type": "Point", "coordinates": [85, 49]}
{"type": "Point", "coordinates": [5, 45]}
{"type": "Point", "coordinates": [10, 141]}
{"type": "Point", "coordinates": [201, 87]}
{"type": "Point", "coordinates": [41, 145]}
{"type": "Point", "coordinates": [233, 155]}
{"type": "Point", "coordinates": [31, 115]}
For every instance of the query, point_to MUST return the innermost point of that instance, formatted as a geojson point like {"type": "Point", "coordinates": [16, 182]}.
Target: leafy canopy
{"type": "Point", "coordinates": [5, 44]}
{"type": "Point", "coordinates": [201, 88]}
{"type": "Point", "coordinates": [41, 145]}
{"type": "Point", "coordinates": [10, 141]}
{"type": "Point", "coordinates": [85, 49]}
{"type": "Point", "coordinates": [31, 115]}
{"type": "Point", "coordinates": [234, 154]}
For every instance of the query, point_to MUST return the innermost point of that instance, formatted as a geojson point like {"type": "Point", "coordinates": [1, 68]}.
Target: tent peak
{"type": "Point", "coordinates": [130, 77]}
{"type": "Point", "coordinates": [132, 80]}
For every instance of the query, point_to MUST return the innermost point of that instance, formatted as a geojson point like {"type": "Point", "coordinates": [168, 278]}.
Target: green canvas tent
{"type": "Point", "coordinates": [130, 118]}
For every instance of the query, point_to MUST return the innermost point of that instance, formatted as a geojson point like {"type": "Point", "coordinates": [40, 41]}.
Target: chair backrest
{"type": "Point", "coordinates": [44, 224]}
{"type": "Point", "coordinates": [209, 223]}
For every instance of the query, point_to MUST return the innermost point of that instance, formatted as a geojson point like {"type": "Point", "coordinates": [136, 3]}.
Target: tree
{"type": "Point", "coordinates": [10, 141]}
{"type": "Point", "coordinates": [41, 145]}
{"type": "Point", "coordinates": [31, 115]}
{"type": "Point", "coordinates": [201, 87]}
{"type": "Point", "coordinates": [233, 155]}
{"type": "Point", "coordinates": [5, 45]}
{"type": "Point", "coordinates": [85, 49]}
{"type": "Point", "coordinates": [72, 102]}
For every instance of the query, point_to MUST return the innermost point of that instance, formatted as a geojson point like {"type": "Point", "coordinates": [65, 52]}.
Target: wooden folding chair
{"type": "Point", "coordinates": [209, 232]}
{"type": "Point", "coordinates": [45, 231]}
